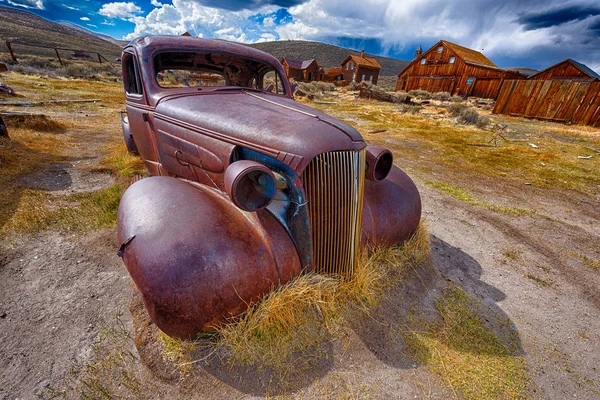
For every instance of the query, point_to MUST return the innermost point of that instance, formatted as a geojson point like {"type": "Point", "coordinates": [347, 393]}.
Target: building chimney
{"type": "Point", "coordinates": [362, 54]}
{"type": "Point", "coordinates": [419, 52]}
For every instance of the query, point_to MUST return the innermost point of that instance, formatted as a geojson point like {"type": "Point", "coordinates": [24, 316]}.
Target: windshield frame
{"type": "Point", "coordinates": [268, 67]}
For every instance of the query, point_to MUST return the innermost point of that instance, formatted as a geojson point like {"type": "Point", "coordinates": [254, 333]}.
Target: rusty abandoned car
{"type": "Point", "coordinates": [248, 189]}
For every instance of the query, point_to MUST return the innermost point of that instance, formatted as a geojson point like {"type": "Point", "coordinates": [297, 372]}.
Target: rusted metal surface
{"type": "Point", "coordinates": [334, 185]}
{"type": "Point", "coordinates": [559, 100]}
{"type": "Point", "coordinates": [195, 257]}
{"type": "Point", "coordinates": [392, 209]}
{"type": "Point", "coordinates": [193, 249]}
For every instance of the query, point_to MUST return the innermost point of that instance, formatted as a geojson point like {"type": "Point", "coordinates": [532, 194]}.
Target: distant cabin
{"type": "Point", "coordinates": [303, 70]}
{"type": "Point", "coordinates": [360, 69]}
{"type": "Point", "coordinates": [334, 74]}
{"type": "Point", "coordinates": [567, 69]}
{"type": "Point", "coordinates": [448, 67]}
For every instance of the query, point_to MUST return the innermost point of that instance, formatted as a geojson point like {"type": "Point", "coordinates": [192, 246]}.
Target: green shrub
{"type": "Point", "coordinates": [420, 94]}
{"type": "Point", "coordinates": [456, 99]}
{"type": "Point", "coordinates": [441, 96]}
{"type": "Point", "coordinates": [483, 121]}
{"type": "Point", "coordinates": [409, 108]}
{"type": "Point", "coordinates": [456, 108]}
{"type": "Point", "coordinates": [468, 116]}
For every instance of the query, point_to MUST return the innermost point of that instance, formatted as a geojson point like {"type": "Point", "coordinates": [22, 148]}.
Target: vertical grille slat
{"type": "Point", "coordinates": [334, 184]}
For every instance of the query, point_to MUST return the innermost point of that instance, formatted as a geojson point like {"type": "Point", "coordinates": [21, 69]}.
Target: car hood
{"type": "Point", "coordinates": [271, 124]}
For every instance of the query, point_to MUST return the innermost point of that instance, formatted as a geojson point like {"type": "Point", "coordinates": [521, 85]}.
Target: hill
{"type": "Point", "coordinates": [27, 28]}
{"type": "Point", "coordinates": [326, 55]}
{"type": "Point", "coordinates": [120, 43]}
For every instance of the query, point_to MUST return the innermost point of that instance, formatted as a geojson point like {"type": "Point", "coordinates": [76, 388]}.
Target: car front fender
{"type": "Point", "coordinates": [197, 259]}
{"type": "Point", "coordinates": [392, 209]}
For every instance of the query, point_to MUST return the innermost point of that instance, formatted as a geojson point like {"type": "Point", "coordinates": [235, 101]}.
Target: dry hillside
{"type": "Point", "coordinates": [24, 27]}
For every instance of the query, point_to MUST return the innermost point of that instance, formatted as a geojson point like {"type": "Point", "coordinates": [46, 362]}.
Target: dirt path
{"type": "Point", "coordinates": [58, 288]}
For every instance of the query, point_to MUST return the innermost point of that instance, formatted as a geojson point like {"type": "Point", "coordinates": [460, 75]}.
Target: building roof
{"type": "Point", "coordinates": [523, 70]}
{"type": "Point", "coordinates": [582, 67]}
{"type": "Point", "coordinates": [298, 64]}
{"type": "Point", "coordinates": [467, 54]}
{"type": "Point", "coordinates": [364, 61]}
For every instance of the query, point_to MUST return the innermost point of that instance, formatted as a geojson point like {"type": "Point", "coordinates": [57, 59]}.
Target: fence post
{"type": "Point", "coordinates": [58, 56]}
{"type": "Point", "coordinates": [10, 50]}
{"type": "Point", "coordinates": [99, 58]}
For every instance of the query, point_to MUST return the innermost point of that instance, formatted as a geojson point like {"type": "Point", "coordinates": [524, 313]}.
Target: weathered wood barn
{"type": "Point", "coordinates": [334, 74]}
{"type": "Point", "coordinates": [448, 67]}
{"type": "Point", "coordinates": [302, 70]}
{"type": "Point", "coordinates": [567, 69]}
{"type": "Point", "coordinates": [360, 69]}
{"type": "Point", "coordinates": [566, 92]}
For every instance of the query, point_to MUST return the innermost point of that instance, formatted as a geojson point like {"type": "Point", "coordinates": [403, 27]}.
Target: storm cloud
{"type": "Point", "coordinates": [236, 5]}
{"type": "Point", "coordinates": [557, 16]}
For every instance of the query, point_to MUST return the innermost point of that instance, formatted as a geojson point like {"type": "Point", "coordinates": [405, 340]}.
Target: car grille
{"type": "Point", "coordinates": [334, 185]}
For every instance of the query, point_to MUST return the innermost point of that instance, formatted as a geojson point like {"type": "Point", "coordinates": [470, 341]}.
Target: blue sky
{"type": "Point", "coordinates": [525, 33]}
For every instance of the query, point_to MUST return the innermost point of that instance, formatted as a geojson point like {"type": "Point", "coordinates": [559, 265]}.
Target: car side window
{"type": "Point", "coordinates": [272, 83]}
{"type": "Point", "coordinates": [131, 79]}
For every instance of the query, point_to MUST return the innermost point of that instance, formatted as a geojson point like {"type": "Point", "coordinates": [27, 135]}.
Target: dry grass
{"type": "Point", "coordinates": [39, 141]}
{"type": "Point", "coordinates": [467, 197]}
{"type": "Point", "coordinates": [287, 329]}
{"type": "Point", "coordinates": [472, 360]}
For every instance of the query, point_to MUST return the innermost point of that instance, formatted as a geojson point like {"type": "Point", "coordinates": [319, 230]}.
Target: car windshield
{"type": "Point", "coordinates": [199, 69]}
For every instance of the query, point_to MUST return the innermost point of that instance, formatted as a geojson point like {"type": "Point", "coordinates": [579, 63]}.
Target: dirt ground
{"type": "Point", "coordinates": [63, 292]}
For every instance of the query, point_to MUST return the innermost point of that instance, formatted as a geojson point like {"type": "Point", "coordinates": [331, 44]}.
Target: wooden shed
{"type": "Point", "coordinates": [360, 69]}
{"type": "Point", "coordinates": [567, 69]}
{"type": "Point", "coordinates": [302, 70]}
{"type": "Point", "coordinates": [566, 92]}
{"type": "Point", "coordinates": [448, 67]}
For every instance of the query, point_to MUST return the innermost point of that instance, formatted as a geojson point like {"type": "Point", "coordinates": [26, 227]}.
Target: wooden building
{"type": "Point", "coordinates": [360, 69]}
{"type": "Point", "coordinates": [567, 92]}
{"type": "Point", "coordinates": [334, 74]}
{"type": "Point", "coordinates": [567, 69]}
{"type": "Point", "coordinates": [448, 67]}
{"type": "Point", "coordinates": [303, 70]}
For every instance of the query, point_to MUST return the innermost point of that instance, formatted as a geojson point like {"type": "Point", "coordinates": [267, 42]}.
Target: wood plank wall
{"type": "Point", "coordinates": [571, 101]}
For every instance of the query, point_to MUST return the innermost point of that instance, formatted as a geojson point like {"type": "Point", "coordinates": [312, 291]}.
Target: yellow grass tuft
{"type": "Point", "coordinates": [119, 161]}
{"type": "Point", "coordinates": [294, 320]}
{"type": "Point", "coordinates": [463, 195]}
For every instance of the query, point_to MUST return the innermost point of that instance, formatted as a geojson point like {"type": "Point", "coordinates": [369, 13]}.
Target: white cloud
{"type": "Point", "coordinates": [106, 22]}
{"type": "Point", "coordinates": [269, 22]}
{"type": "Point", "coordinates": [191, 16]}
{"type": "Point", "coordinates": [119, 10]}
{"type": "Point", "coordinates": [70, 7]}
{"type": "Point", "coordinates": [84, 18]}
{"type": "Point", "coordinates": [156, 3]}
{"type": "Point", "coordinates": [92, 25]}
{"type": "Point", "coordinates": [30, 4]}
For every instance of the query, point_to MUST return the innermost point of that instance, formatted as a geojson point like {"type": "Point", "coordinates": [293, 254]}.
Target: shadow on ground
{"type": "Point", "coordinates": [414, 298]}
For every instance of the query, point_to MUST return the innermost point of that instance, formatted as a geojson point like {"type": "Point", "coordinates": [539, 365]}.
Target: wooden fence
{"type": "Point", "coordinates": [570, 101]}
{"type": "Point", "coordinates": [80, 54]}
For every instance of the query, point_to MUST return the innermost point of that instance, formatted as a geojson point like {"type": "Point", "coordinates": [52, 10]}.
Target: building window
{"type": "Point", "coordinates": [363, 78]}
{"type": "Point", "coordinates": [469, 81]}
{"type": "Point", "coordinates": [347, 66]}
{"type": "Point", "coordinates": [440, 48]}
{"type": "Point", "coordinates": [370, 78]}
{"type": "Point", "coordinates": [423, 60]}
{"type": "Point", "coordinates": [452, 60]}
